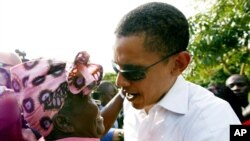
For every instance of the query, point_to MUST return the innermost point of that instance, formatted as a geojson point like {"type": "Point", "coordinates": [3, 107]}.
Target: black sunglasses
{"type": "Point", "coordinates": [140, 73]}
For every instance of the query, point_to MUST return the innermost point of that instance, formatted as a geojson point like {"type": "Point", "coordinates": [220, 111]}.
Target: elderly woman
{"type": "Point", "coordinates": [12, 127]}
{"type": "Point", "coordinates": [57, 102]}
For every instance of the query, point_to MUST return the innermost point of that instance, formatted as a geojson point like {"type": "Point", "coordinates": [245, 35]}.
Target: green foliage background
{"type": "Point", "coordinates": [110, 77]}
{"type": "Point", "coordinates": [220, 42]}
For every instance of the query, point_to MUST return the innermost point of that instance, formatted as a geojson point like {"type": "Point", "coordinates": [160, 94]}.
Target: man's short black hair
{"type": "Point", "coordinates": [164, 27]}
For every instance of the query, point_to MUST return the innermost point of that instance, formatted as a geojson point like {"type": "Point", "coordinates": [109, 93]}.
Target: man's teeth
{"type": "Point", "coordinates": [129, 96]}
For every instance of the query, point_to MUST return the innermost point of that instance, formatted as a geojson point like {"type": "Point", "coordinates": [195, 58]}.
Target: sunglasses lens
{"type": "Point", "coordinates": [115, 68]}
{"type": "Point", "coordinates": [134, 75]}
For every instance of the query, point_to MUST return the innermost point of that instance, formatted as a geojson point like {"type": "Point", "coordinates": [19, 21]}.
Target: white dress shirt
{"type": "Point", "coordinates": [188, 112]}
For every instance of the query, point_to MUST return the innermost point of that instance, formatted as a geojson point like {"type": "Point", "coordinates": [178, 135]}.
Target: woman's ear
{"type": "Point", "coordinates": [182, 60]}
{"type": "Point", "coordinates": [63, 123]}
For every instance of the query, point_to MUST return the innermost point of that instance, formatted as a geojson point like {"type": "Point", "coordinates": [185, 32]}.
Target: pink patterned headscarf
{"type": "Point", "coordinates": [4, 75]}
{"type": "Point", "coordinates": [43, 84]}
{"type": "Point", "coordinates": [7, 60]}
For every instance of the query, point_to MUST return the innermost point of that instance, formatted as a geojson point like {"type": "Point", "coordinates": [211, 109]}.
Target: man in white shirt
{"type": "Point", "coordinates": [149, 58]}
{"type": "Point", "coordinates": [188, 112]}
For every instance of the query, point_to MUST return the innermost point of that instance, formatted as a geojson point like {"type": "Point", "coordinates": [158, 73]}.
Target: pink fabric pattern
{"type": "Point", "coordinates": [84, 76]}
{"type": "Point", "coordinates": [42, 87]}
{"type": "Point", "coordinates": [4, 75]}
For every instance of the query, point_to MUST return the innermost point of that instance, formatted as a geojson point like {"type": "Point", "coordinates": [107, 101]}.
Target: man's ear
{"type": "Point", "coordinates": [63, 123]}
{"type": "Point", "coordinates": [182, 60]}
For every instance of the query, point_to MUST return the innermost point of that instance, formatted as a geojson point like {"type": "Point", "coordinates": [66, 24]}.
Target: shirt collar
{"type": "Point", "coordinates": [176, 99]}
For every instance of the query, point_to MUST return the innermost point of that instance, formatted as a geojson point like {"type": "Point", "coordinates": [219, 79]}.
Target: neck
{"type": "Point", "coordinates": [147, 108]}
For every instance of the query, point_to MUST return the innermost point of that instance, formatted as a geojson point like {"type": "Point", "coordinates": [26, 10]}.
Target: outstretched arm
{"type": "Point", "coordinates": [111, 111]}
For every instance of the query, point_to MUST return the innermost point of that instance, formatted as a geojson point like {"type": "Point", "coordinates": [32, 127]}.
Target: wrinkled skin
{"type": "Point", "coordinates": [82, 116]}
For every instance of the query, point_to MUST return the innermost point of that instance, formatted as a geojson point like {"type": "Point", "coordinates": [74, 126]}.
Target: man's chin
{"type": "Point", "coordinates": [136, 106]}
{"type": "Point", "coordinates": [140, 107]}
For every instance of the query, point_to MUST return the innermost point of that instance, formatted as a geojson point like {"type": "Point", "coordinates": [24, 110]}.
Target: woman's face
{"type": "Point", "coordinates": [85, 116]}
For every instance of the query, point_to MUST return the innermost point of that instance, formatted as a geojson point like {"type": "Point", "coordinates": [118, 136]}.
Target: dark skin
{"type": "Point", "coordinates": [111, 111]}
{"type": "Point", "coordinates": [107, 91]}
{"type": "Point", "coordinates": [239, 85]}
{"type": "Point", "coordinates": [79, 117]}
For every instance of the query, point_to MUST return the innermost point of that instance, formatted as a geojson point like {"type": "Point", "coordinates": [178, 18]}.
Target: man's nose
{"type": "Point", "coordinates": [121, 81]}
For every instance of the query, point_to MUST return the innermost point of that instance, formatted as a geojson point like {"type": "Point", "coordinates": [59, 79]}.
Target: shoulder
{"type": "Point", "coordinates": [212, 111]}
{"type": "Point", "coordinates": [208, 117]}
